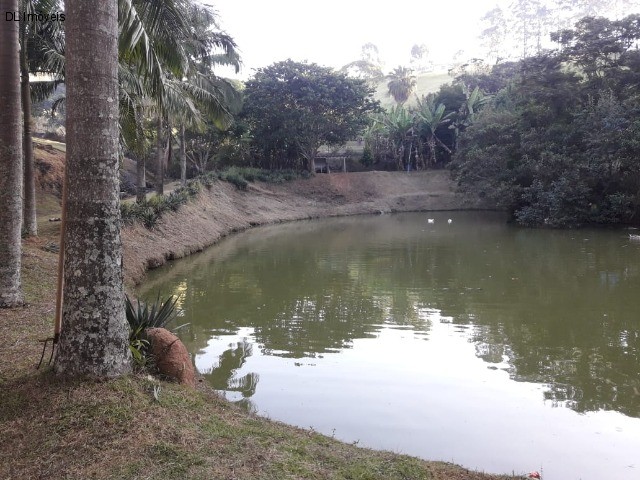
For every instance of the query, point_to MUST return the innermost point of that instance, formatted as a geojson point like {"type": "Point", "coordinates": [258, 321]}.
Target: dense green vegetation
{"type": "Point", "coordinates": [293, 108]}
{"type": "Point", "coordinates": [425, 135]}
{"type": "Point", "coordinates": [559, 143]}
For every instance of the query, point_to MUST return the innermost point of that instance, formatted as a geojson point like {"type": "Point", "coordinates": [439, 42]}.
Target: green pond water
{"type": "Point", "coordinates": [495, 347]}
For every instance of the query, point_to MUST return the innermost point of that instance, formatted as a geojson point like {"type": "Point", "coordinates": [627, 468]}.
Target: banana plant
{"type": "Point", "coordinates": [475, 100]}
{"type": "Point", "coordinates": [430, 118]}
{"type": "Point", "coordinates": [400, 124]}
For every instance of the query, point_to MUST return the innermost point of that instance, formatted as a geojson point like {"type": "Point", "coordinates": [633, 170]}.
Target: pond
{"type": "Point", "coordinates": [499, 348]}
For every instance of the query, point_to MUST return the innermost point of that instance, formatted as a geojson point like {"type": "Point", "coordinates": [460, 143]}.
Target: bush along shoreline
{"type": "Point", "coordinates": [151, 210]}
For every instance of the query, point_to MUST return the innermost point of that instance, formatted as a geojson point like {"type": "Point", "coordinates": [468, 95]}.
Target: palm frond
{"type": "Point", "coordinates": [42, 90]}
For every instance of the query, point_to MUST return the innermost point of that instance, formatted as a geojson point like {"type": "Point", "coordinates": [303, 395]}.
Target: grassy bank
{"type": "Point", "coordinates": [118, 429]}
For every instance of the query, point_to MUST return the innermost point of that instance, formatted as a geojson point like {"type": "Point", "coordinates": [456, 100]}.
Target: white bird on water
{"type": "Point", "coordinates": [430, 220]}
{"type": "Point", "coordinates": [449, 221]}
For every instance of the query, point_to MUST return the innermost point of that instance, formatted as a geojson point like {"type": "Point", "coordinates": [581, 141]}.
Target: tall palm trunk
{"type": "Point", "coordinates": [30, 226]}
{"type": "Point", "coordinates": [95, 335]}
{"type": "Point", "coordinates": [159, 159]}
{"type": "Point", "coordinates": [183, 157]}
{"type": "Point", "coordinates": [10, 162]}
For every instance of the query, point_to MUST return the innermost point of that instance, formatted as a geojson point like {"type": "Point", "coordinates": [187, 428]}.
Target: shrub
{"type": "Point", "coordinates": [150, 211]}
{"type": "Point", "coordinates": [234, 177]}
{"type": "Point", "coordinates": [148, 216]}
{"type": "Point", "coordinates": [242, 176]}
{"type": "Point", "coordinates": [193, 188]}
{"type": "Point", "coordinates": [367, 157]}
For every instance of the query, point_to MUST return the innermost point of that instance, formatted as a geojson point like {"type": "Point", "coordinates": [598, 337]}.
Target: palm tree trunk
{"type": "Point", "coordinates": [141, 179]}
{"type": "Point", "coordinates": [168, 149]}
{"type": "Point", "coordinates": [94, 341]}
{"type": "Point", "coordinates": [30, 226]}
{"type": "Point", "coordinates": [183, 157]}
{"type": "Point", "coordinates": [10, 162]}
{"type": "Point", "coordinates": [159, 159]}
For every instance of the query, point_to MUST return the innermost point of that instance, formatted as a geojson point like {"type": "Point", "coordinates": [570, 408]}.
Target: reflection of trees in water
{"type": "Point", "coordinates": [567, 324]}
{"type": "Point", "coordinates": [299, 304]}
{"type": "Point", "coordinates": [222, 376]}
{"type": "Point", "coordinates": [561, 308]}
{"type": "Point", "coordinates": [591, 372]}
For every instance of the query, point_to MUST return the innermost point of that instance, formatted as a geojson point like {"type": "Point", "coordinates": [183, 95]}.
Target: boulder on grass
{"type": "Point", "coordinates": [171, 356]}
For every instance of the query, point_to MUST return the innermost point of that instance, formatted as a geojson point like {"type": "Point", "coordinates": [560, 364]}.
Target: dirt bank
{"type": "Point", "coordinates": [223, 209]}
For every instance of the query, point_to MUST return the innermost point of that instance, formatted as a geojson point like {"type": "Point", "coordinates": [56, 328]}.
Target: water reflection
{"type": "Point", "coordinates": [561, 307]}
{"type": "Point", "coordinates": [558, 310]}
{"type": "Point", "coordinates": [222, 375]}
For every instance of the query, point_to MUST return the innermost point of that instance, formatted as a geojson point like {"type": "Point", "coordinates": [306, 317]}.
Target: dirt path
{"type": "Point", "coordinates": [223, 209]}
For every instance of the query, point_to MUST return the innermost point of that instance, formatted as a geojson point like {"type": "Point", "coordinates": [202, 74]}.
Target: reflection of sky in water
{"type": "Point", "coordinates": [436, 399]}
{"type": "Point", "coordinates": [499, 348]}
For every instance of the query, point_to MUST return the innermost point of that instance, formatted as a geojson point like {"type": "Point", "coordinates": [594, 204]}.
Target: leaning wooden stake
{"type": "Point", "coordinates": [57, 326]}
{"type": "Point", "coordinates": [59, 295]}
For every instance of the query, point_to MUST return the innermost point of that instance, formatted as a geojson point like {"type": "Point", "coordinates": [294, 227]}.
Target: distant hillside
{"type": "Point", "coordinates": [425, 83]}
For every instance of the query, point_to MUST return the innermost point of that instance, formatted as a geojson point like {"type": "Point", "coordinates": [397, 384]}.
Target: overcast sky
{"type": "Point", "coordinates": [332, 32]}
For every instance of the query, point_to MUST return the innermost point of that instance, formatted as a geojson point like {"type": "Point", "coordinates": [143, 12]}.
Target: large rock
{"type": "Point", "coordinates": [171, 356]}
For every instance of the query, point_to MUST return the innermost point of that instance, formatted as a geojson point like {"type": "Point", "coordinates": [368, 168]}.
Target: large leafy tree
{"type": "Point", "coordinates": [293, 108]}
{"type": "Point", "coordinates": [10, 162]}
{"type": "Point", "coordinates": [420, 57]}
{"type": "Point", "coordinates": [363, 69]}
{"type": "Point", "coordinates": [94, 337]}
{"type": "Point", "coordinates": [494, 34]}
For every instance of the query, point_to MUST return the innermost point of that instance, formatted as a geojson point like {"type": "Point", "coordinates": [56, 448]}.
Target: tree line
{"type": "Point", "coordinates": [558, 144]}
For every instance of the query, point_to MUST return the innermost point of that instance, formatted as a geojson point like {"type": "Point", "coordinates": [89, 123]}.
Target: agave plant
{"type": "Point", "coordinates": [150, 315]}
{"type": "Point", "coordinates": [147, 315]}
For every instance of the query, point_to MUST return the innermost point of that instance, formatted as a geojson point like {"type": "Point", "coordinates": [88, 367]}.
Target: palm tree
{"type": "Point", "coordinates": [10, 162]}
{"type": "Point", "coordinates": [94, 337]}
{"type": "Point", "coordinates": [170, 49]}
{"type": "Point", "coordinates": [167, 50]}
{"type": "Point", "coordinates": [29, 211]}
{"type": "Point", "coordinates": [431, 118]}
{"type": "Point", "coordinates": [401, 84]}
{"type": "Point", "coordinates": [37, 39]}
